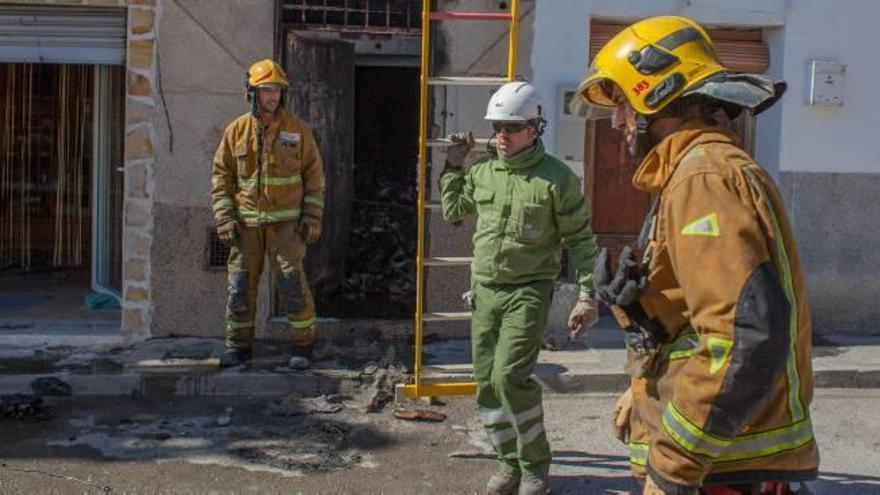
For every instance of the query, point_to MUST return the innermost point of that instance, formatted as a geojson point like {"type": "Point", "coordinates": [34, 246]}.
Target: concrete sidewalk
{"type": "Point", "coordinates": [188, 366]}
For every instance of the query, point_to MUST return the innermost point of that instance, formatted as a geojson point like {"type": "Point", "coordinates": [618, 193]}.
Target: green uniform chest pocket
{"type": "Point", "coordinates": [486, 213]}
{"type": "Point", "coordinates": [533, 221]}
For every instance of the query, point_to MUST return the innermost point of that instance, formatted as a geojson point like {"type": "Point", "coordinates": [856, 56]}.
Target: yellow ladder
{"type": "Point", "coordinates": [422, 387]}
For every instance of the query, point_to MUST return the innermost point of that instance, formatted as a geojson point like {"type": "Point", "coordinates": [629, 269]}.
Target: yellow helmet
{"type": "Point", "coordinates": [652, 62]}
{"type": "Point", "coordinates": [266, 72]}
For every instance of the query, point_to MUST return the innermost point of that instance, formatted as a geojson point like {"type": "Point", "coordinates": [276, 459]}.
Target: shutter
{"type": "Point", "coordinates": [741, 50]}
{"type": "Point", "coordinates": [63, 35]}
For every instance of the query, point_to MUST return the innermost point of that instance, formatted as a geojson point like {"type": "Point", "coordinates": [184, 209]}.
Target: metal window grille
{"type": "Point", "coordinates": [372, 16]}
{"type": "Point", "coordinates": [216, 253]}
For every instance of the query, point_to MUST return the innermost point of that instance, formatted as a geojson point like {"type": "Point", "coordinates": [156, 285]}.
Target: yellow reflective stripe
{"type": "Point", "coordinates": [685, 345]}
{"type": "Point", "coordinates": [719, 351]}
{"type": "Point", "coordinates": [638, 453]}
{"type": "Point", "coordinates": [221, 203]}
{"type": "Point", "coordinates": [270, 181]}
{"type": "Point", "coordinates": [235, 325]}
{"type": "Point", "coordinates": [689, 436]}
{"type": "Point", "coordinates": [314, 200]}
{"type": "Point", "coordinates": [761, 444]}
{"type": "Point", "coordinates": [271, 216]}
{"type": "Point", "coordinates": [301, 324]}
{"type": "Point", "coordinates": [791, 368]}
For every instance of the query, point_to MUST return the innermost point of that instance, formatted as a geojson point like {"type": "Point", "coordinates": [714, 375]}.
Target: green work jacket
{"type": "Point", "coordinates": [528, 208]}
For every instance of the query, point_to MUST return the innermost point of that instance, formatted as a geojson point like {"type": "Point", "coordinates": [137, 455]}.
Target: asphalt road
{"type": "Point", "coordinates": [227, 446]}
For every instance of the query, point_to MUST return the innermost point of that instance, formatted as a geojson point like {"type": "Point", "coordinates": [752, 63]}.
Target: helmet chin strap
{"type": "Point", "coordinates": [643, 142]}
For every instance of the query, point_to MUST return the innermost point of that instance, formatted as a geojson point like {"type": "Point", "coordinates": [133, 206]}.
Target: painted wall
{"type": "Point", "coordinates": [204, 50]}
{"type": "Point", "coordinates": [831, 139]}
{"type": "Point", "coordinates": [819, 155]}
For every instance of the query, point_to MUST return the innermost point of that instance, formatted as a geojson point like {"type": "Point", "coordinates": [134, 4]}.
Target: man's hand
{"type": "Point", "coordinates": [621, 415]}
{"type": "Point", "coordinates": [456, 153]}
{"type": "Point", "coordinates": [310, 228]}
{"type": "Point", "coordinates": [227, 232]}
{"type": "Point", "coordinates": [584, 315]}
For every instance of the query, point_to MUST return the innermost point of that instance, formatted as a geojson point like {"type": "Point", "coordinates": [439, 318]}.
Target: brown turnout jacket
{"type": "Point", "coordinates": [730, 400]}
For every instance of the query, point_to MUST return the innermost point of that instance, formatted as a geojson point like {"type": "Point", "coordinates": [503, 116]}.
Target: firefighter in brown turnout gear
{"type": "Point", "coordinates": [716, 312]}
{"type": "Point", "coordinates": [267, 187]}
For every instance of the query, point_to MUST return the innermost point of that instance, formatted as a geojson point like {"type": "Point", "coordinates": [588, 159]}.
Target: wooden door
{"type": "Point", "coordinates": [321, 94]}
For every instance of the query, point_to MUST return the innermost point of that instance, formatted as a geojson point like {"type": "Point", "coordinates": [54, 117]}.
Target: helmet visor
{"type": "Point", "coordinates": [593, 98]}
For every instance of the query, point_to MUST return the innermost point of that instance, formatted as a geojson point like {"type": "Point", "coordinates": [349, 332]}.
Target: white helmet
{"type": "Point", "coordinates": [515, 101]}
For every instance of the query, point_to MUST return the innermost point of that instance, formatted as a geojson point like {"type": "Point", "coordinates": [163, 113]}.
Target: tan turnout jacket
{"type": "Point", "coordinates": [730, 400]}
{"type": "Point", "coordinates": [289, 184]}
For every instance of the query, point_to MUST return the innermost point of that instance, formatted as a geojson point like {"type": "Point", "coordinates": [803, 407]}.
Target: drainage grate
{"type": "Point", "coordinates": [216, 253]}
{"type": "Point", "coordinates": [372, 16]}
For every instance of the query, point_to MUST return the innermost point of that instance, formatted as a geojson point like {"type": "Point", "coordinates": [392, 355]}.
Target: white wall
{"type": "Point", "coordinates": [823, 139]}
{"type": "Point", "coordinates": [792, 137]}
{"type": "Point", "coordinates": [561, 41]}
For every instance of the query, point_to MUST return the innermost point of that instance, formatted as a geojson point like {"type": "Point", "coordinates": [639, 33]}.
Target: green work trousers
{"type": "Point", "coordinates": [285, 247]}
{"type": "Point", "coordinates": [508, 326]}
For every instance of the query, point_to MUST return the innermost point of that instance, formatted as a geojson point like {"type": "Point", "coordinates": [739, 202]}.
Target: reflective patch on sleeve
{"type": "Point", "coordinates": [719, 350]}
{"type": "Point", "coordinates": [706, 226]}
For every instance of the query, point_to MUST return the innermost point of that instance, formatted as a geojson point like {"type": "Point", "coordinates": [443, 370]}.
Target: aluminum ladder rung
{"type": "Point", "coordinates": [441, 143]}
{"type": "Point", "coordinates": [467, 81]}
{"type": "Point", "coordinates": [470, 16]}
{"type": "Point", "coordinates": [447, 316]}
{"type": "Point", "coordinates": [448, 261]}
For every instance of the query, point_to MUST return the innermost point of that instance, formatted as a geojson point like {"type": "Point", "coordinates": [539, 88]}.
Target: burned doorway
{"type": "Point", "coordinates": [62, 89]}
{"type": "Point", "coordinates": [375, 261]}
{"type": "Point", "coordinates": [380, 278]}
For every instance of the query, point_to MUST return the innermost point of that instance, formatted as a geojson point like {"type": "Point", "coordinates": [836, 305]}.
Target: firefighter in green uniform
{"type": "Point", "coordinates": [528, 206]}
{"type": "Point", "coordinates": [267, 187]}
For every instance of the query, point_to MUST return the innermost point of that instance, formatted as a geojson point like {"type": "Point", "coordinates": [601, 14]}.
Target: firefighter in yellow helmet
{"type": "Point", "coordinates": [716, 314]}
{"type": "Point", "coordinates": [267, 187]}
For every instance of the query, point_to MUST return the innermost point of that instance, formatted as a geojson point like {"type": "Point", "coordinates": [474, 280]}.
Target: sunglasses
{"type": "Point", "coordinates": [508, 127]}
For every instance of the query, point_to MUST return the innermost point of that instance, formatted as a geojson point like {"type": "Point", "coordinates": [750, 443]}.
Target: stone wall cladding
{"type": "Point", "coordinates": [140, 139]}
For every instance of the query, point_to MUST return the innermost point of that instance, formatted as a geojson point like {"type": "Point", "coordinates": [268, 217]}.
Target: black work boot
{"type": "Point", "coordinates": [234, 357]}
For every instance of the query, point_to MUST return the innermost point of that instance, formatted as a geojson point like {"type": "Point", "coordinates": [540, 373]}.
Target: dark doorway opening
{"type": "Point", "coordinates": [380, 271]}
{"type": "Point", "coordinates": [47, 198]}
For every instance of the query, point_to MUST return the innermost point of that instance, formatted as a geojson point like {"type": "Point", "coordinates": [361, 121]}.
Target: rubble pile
{"type": "Point", "coordinates": [23, 408]}
{"type": "Point", "coordinates": [381, 251]}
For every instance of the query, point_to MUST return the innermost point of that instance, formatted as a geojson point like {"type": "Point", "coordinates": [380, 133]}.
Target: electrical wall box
{"type": "Point", "coordinates": [570, 129]}
{"type": "Point", "coordinates": [826, 83]}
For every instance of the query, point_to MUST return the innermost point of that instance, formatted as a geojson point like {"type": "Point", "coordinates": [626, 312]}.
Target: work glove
{"type": "Point", "coordinates": [227, 232]}
{"type": "Point", "coordinates": [456, 153]}
{"type": "Point", "coordinates": [584, 315]}
{"type": "Point", "coordinates": [621, 415]}
{"type": "Point", "coordinates": [626, 285]}
{"type": "Point", "coordinates": [310, 228]}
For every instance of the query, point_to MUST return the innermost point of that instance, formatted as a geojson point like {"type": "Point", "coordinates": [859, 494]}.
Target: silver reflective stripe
{"type": "Point", "coordinates": [759, 444]}
{"type": "Point", "coordinates": [491, 417]}
{"type": "Point", "coordinates": [638, 453]}
{"type": "Point", "coordinates": [532, 433]}
{"type": "Point", "coordinates": [501, 437]}
{"type": "Point", "coordinates": [529, 414]}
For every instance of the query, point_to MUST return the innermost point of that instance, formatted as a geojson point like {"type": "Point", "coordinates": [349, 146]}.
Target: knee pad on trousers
{"type": "Point", "coordinates": [292, 294]}
{"type": "Point", "coordinates": [239, 302]}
